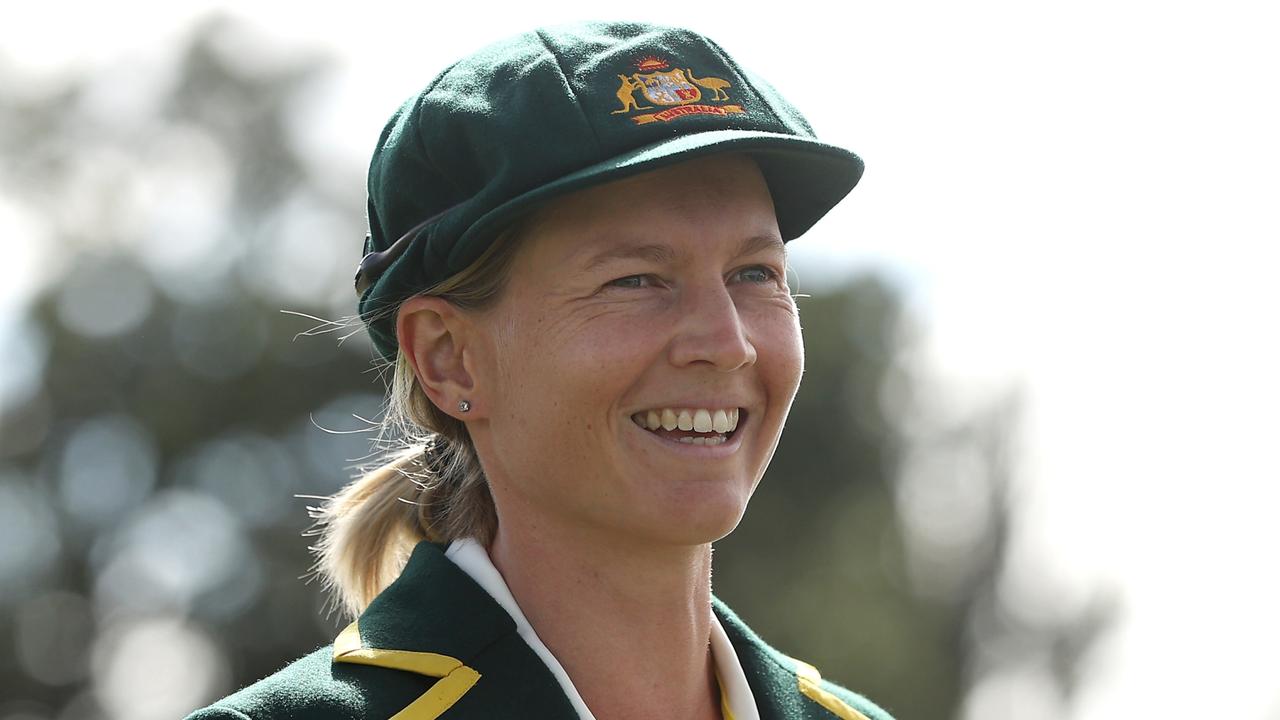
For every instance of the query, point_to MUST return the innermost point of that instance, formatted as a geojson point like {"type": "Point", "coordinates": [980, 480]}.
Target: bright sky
{"type": "Point", "coordinates": [1079, 198]}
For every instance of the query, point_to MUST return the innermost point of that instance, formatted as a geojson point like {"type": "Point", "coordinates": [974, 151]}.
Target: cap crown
{"type": "Point", "coordinates": [560, 108]}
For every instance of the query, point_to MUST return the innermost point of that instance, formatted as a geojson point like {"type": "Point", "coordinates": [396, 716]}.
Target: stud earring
{"type": "Point", "coordinates": [464, 406]}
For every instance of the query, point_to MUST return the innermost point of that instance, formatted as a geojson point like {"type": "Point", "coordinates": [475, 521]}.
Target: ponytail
{"type": "Point", "coordinates": [367, 528]}
{"type": "Point", "coordinates": [430, 485]}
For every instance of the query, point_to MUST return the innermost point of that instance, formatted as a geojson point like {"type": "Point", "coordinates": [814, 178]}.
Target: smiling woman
{"type": "Point", "coordinates": [595, 351]}
{"type": "Point", "coordinates": [569, 355]}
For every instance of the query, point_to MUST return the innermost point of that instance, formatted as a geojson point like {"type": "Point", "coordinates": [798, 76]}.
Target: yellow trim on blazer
{"type": "Point", "coordinates": [810, 681]}
{"type": "Point", "coordinates": [455, 678]}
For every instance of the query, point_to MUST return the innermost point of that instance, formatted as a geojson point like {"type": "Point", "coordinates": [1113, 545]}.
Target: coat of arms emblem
{"type": "Point", "coordinates": [678, 89]}
{"type": "Point", "coordinates": [668, 88]}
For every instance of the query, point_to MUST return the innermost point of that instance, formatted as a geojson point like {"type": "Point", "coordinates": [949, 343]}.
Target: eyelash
{"type": "Point", "coordinates": [771, 275]}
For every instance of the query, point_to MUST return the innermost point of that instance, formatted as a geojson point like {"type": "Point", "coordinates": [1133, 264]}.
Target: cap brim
{"type": "Point", "coordinates": [806, 178]}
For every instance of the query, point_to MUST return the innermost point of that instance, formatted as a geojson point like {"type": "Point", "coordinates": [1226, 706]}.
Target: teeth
{"type": "Point", "coordinates": [713, 440]}
{"type": "Point", "coordinates": [703, 420]}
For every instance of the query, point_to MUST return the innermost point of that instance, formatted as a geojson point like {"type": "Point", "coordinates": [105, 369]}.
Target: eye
{"type": "Point", "coordinates": [758, 274]}
{"type": "Point", "coordinates": [632, 282]}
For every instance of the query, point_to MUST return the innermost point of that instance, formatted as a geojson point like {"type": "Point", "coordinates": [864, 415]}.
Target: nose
{"type": "Point", "coordinates": [711, 330]}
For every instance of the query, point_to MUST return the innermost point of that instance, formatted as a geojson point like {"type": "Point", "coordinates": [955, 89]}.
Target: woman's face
{"type": "Point", "coordinates": [661, 297]}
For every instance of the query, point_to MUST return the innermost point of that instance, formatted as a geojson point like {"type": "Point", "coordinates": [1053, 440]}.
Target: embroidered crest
{"type": "Point", "coordinates": [668, 88]}
{"type": "Point", "coordinates": [678, 89]}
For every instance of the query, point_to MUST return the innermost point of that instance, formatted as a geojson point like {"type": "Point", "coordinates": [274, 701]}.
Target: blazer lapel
{"type": "Point", "coordinates": [435, 621]}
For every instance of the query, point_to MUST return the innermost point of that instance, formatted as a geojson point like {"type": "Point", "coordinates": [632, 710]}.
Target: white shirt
{"type": "Point", "coordinates": [472, 558]}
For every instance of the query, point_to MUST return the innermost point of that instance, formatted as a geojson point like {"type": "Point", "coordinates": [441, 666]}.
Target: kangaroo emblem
{"type": "Point", "coordinates": [673, 90]}
{"type": "Point", "coordinates": [626, 95]}
{"type": "Point", "coordinates": [714, 84]}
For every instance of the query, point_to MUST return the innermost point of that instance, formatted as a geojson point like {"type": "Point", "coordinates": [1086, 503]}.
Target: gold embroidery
{"type": "Point", "coordinates": [626, 95]}
{"type": "Point", "coordinates": [714, 84]}
{"type": "Point", "coordinates": [667, 115]}
{"type": "Point", "coordinates": [679, 89]}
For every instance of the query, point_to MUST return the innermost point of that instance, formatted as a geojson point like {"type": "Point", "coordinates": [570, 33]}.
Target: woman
{"type": "Point", "coordinates": [594, 352]}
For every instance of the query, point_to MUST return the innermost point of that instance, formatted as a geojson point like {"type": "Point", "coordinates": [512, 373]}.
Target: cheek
{"type": "Point", "coordinates": [597, 346]}
{"type": "Point", "coordinates": [780, 349]}
{"type": "Point", "coordinates": [796, 347]}
{"type": "Point", "coordinates": [793, 365]}
{"type": "Point", "coordinates": [558, 372]}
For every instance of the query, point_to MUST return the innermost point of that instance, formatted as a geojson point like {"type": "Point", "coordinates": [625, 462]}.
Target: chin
{"type": "Point", "coordinates": [704, 518]}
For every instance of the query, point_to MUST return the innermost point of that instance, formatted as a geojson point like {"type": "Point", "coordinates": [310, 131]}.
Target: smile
{"type": "Point", "coordinates": [691, 426]}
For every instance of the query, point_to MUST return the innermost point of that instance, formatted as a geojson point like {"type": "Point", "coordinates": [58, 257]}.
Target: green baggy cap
{"type": "Point", "coordinates": [559, 109]}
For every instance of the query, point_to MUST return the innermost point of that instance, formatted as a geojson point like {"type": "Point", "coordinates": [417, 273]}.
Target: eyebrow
{"type": "Point", "coordinates": [662, 254]}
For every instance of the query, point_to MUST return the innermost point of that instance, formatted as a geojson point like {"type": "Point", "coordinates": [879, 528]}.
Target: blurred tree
{"type": "Point", "coordinates": [177, 413]}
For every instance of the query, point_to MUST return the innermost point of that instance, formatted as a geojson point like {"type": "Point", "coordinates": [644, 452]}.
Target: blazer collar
{"type": "Point", "coordinates": [433, 607]}
{"type": "Point", "coordinates": [434, 619]}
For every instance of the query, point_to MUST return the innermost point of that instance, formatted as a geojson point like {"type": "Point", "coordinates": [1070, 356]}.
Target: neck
{"type": "Point", "coordinates": [635, 636]}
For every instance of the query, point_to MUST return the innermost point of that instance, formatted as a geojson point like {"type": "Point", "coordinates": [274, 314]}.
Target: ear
{"type": "Point", "coordinates": [434, 336]}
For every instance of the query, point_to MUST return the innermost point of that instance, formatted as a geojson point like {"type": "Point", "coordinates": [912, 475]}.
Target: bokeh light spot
{"type": "Point", "coordinates": [156, 669]}
{"type": "Point", "coordinates": [108, 466]}
{"type": "Point", "coordinates": [104, 298]}
{"type": "Point", "coordinates": [179, 545]}
{"type": "Point", "coordinates": [251, 474]}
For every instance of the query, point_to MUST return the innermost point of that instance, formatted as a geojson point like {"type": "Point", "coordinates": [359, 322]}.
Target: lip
{"type": "Point", "coordinates": [723, 450]}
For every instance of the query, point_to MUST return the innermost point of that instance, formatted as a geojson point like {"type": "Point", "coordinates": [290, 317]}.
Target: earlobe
{"type": "Point", "coordinates": [433, 335]}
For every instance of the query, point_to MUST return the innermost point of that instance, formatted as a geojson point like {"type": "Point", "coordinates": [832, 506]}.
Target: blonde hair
{"type": "Point", "coordinates": [430, 485]}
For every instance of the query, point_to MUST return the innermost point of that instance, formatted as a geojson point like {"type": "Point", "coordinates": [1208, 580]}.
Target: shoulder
{"type": "Point", "coordinates": [301, 687]}
{"type": "Point", "coordinates": [839, 701]}
{"type": "Point", "coordinates": [792, 688]}
{"type": "Point", "coordinates": [835, 697]}
{"type": "Point", "coordinates": [315, 687]}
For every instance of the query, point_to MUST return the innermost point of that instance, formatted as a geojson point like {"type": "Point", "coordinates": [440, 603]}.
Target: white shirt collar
{"type": "Point", "coordinates": [472, 558]}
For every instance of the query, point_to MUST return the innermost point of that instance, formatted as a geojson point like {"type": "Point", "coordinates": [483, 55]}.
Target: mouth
{"type": "Point", "coordinates": [692, 426]}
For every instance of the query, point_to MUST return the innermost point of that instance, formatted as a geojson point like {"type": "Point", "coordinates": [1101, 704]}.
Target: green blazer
{"type": "Point", "coordinates": [435, 644]}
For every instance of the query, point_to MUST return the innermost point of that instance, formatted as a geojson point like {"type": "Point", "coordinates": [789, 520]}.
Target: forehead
{"type": "Point", "coordinates": [719, 202]}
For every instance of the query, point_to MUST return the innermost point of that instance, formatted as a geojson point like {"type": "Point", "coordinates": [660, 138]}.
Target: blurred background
{"type": "Point", "coordinates": [1032, 470]}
